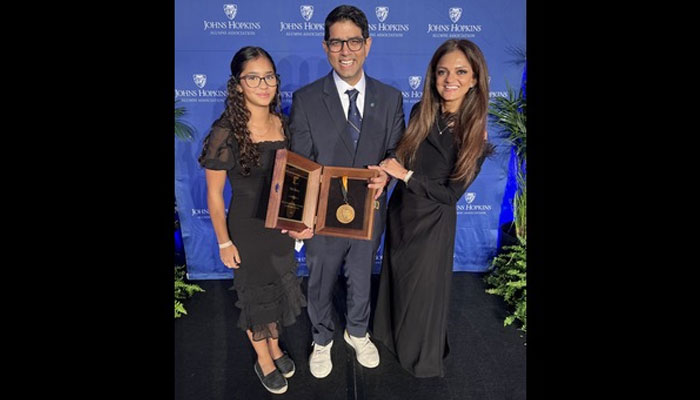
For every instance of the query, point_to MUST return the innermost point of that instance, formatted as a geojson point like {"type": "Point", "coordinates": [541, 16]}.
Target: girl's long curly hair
{"type": "Point", "coordinates": [469, 120]}
{"type": "Point", "coordinates": [236, 113]}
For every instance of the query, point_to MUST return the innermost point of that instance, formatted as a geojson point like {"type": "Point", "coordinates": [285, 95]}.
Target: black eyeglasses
{"type": "Point", "coordinates": [253, 81]}
{"type": "Point", "coordinates": [336, 45]}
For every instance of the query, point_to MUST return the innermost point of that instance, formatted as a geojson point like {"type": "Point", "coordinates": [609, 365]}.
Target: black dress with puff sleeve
{"type": "Point", "coordinates": [269, 293]}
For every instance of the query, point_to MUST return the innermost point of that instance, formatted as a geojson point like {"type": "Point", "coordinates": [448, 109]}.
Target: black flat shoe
{"type": "Point", "coordinates": [274, 382]}
{"type": "Point", "coordinates": [285, 365]}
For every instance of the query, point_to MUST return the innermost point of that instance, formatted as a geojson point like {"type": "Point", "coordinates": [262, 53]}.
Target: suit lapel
{"type": "Point", "coordinates": [370, 133]}
{"type": "Point", "coordinates": [335, 110]}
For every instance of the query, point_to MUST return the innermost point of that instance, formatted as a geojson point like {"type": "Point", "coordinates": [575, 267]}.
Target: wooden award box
{"type": "Point", "coordinates": [304, 194]}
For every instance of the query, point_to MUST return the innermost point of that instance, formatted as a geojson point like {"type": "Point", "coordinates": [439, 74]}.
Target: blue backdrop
{"type": "Point", "coordinates": [405, 35]}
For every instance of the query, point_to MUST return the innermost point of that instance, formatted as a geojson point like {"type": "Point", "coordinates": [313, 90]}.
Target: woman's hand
{"type": "Point", "coordinates": [379, 182]}
{"type": "Point", "coordinates": [229, 255]}
{"type": "Point", "coordinates": [393, 168]}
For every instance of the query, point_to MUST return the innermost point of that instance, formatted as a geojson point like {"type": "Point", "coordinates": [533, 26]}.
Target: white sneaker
{"type": "Point", "coordinates": [366, 351]}
{"type": "Point", "coordinates": [320, 363]}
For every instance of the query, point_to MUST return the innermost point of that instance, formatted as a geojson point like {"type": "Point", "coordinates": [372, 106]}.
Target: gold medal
{"type": "Point", "coordinates": [345, 213]}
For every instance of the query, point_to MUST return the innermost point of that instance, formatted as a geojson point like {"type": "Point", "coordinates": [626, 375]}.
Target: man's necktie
{"type": "Point", "coordinates": [354, 118]}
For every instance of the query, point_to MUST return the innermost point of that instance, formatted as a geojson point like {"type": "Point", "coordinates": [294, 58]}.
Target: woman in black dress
{"type": "Point", "coordinates": [241, 148]}
{"type": "Point", "coordinates": [443, 147]}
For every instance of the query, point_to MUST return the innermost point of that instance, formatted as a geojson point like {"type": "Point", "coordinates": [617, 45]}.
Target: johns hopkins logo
{"type": "Point", "coordinates": [200, 80]}
{"type": "Point", "coordinates": [469, 197]}
{"type": "Point", "coordinates": [202, 213]}
{"type": "Point", "coordinates": [414, 82]}
{"type": "Point", "coordinates": [414, 95]}
{"type": "Point", "coordinates": [382, 12]}
{"type": "Point", "coordinates": [200, 95]}
{"type": "Point", "coordinates": [387, 30]}
{"type": "Point", "coordinates": [230, 10]}
{"type": "Point", "coordinates": [455, 14]}
{"type": "Point", "coordinates": [306, 12]}
{"type": "Point", "coordinates": [470, 207]}
{"type": "Point", "coordinates": [305, 27]}
{"type": "Point", "coordinates": [231, 27]}
{"type": "Point", "coordinates": [453, 30]}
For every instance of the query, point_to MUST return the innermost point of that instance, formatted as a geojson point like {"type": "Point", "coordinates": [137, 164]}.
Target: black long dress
{"type": "Point", "coordinates": [414, 288]}
{"type": "Point", "coordinates": [269, 293]}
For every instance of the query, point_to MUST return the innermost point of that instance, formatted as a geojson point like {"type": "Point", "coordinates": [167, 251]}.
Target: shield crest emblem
{"type": "Point", "coordinates": [200, 80]}
{"type": "Point", "coordinates": [455, 14]}
{"type": "Point", "coordinates": [469, 197]}
{"type": "Point", "coordinates": [382, 12]}
{"type": "Point", "coordinates": [230, 10]}
{"type": "Point", "coordinates": [306, 12]}
{"type": "Point", "coordinates": [414, 82]}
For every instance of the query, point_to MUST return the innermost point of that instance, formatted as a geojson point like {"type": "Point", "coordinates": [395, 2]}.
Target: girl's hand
{"type": "Point", "coordinates": [230, 257]}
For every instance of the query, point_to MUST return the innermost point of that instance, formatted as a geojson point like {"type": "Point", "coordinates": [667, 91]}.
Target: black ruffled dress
{"type": "Point", "coordinates": [269, 293]}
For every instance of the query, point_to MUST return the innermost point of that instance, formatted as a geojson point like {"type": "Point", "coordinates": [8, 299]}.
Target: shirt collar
{"type": "Point", "coordinates": [342, 86]}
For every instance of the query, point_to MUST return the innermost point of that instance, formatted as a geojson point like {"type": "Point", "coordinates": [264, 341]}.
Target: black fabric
{"type": "Point", "coordinates": [221, 150]}
{"type": "Point", "coordinates": [266, 282]}
{"type": "Point", "coordinates": [414, 290]}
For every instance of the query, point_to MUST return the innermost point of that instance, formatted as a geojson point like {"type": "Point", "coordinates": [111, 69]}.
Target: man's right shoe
{"type": "Point", "coordinates": [320, 363]}
{"type": "Point", "coordinates": [274, 382]}
{"type": "Point", "coordinates": [365, 351]}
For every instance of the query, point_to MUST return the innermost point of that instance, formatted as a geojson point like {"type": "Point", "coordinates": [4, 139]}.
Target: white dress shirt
{"type": "Point", "coordinates": [342, 86]}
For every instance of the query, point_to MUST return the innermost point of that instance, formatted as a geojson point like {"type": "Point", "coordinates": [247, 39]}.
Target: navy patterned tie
{"type": "Point", "coordinates": [354, 118]}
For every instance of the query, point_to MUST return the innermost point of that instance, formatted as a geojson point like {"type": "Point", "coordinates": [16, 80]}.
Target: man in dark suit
{"type": "Point", "coordinates": [351, 120]}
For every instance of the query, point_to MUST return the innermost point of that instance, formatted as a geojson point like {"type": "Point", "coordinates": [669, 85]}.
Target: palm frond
{"type": "Point", "coordinates": [183, 130]}
{"type": "Point", "coordinates": [519, 54]}
{"type": "Point", "coordinates": [507, 272]}
{"type": "Point", "coordinates": [509, 114]}
{"type": "Point", "coordinates": [519, 208]}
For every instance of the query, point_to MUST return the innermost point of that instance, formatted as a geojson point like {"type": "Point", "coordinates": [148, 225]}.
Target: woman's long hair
{"type": "Point", "coordinates": [238, 115]}
{"type": "Point", "coordinates": [469, 120]}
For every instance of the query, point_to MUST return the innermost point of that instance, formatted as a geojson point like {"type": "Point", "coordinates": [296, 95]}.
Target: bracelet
{"type": "Point", "coordinates": [225, 245]}
{"type": "Point", "coordinates": [408, 176]}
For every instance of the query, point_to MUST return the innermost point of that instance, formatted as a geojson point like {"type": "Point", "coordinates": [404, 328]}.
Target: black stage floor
{"type": "Point", "coordinates": [214, 360]}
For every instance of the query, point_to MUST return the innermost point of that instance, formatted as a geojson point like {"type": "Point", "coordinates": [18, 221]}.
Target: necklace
{"type": "Point", "coordinates": [264, 134]}
{"type": "Point", "coordinates": [440, 131]}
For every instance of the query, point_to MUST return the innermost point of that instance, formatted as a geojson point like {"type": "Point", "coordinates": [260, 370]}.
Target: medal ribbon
{"type": "Point", "coordinates": [344, 189]}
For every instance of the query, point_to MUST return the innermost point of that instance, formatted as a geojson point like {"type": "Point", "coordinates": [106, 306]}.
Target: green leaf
{"type": "Point", "coordinates": [183, 290]}
{"type": "Point", "coordinates": [183, 130]}
{"type": "Point", "coordinates": [509, 114]}
{"type": "Point", "coordinates": [179, 309]}
{"type": "Point", "coordinates": [508, 279]}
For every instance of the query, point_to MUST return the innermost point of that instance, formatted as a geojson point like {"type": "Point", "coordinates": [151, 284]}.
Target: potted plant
{"type": "Point", "coordinates": [183, 290]}
{"type": "Point", "coordinates": [507, 273]}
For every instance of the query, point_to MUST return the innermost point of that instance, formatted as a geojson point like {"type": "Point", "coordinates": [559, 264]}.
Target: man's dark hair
{"type": "Point", "coordinates": [343, 13]}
